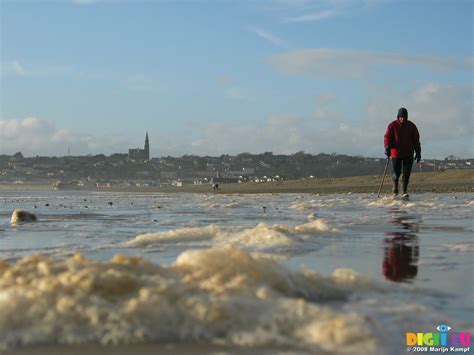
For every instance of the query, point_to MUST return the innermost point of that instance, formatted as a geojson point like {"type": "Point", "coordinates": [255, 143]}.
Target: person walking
{"type": "Point", "coordinates": [402, 141]}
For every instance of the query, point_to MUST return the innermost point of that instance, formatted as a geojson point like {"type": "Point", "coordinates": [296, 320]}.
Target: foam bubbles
{"type": "Point", "coordinates": [176, 235]}
{"type": "Point", "coordinates": [262, 236]}
{"type": "Point", "coordinates": [219, 294]}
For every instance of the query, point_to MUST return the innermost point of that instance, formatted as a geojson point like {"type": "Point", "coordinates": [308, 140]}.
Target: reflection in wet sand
{"type": "Point", "coordinates": [402, 251]}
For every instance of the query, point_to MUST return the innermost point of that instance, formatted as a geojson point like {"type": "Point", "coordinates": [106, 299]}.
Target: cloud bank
{"type": "Point", "coordinates": [346, 63]}
{"type": "Point", "coordinates": [443, 114]}
{"type": "Point", "coordinates": [33, 136]}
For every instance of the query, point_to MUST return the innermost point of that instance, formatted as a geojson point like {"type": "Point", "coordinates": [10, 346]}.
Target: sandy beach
{"type": "Point", "coordinates": [220, 177]}
{"type": "Point", "coordinates": [441, 182]}
{"type": "Point", "coordinates": [243, 272]}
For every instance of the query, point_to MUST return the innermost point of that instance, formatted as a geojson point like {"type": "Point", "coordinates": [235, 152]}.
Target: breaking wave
{"type": "Point", "coordinates": [262, 236]}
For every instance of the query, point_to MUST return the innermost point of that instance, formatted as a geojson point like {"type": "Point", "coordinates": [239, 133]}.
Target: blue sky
{"type": "Point", "coordinates": [216, 77]}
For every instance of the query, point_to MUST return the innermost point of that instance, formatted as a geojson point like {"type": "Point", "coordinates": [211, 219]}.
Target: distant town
{"type": "Point", "coordinates": [137, 169]}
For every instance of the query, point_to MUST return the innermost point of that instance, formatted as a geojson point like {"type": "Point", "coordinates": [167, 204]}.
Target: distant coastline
{"type": "Point", "coordinates": [437, 182]}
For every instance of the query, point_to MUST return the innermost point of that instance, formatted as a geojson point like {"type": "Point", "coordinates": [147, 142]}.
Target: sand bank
{"type": "Point", "coordinates": [441, 182]}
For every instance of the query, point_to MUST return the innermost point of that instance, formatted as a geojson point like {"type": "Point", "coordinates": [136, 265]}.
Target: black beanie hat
{"type": "Point", "coordinates": [402, 112]}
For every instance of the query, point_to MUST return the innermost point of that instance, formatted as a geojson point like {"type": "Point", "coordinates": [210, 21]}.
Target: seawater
{"type": "Point", "coordinates": [335, 273]}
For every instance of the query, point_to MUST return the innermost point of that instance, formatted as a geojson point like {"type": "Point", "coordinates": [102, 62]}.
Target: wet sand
{"type": "Point", "coordinates": [441, 182]}
{"type": "Point", "coordinates": [458, 181]}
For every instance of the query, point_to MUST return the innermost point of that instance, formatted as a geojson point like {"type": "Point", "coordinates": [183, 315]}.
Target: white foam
{"type": "Point", "coordinates": [224, 295]}
{"type": "Point", "coordinates": [320, 203]}
{"type": "Point", "coordinates": [176, 235]}
{"type": "Point", "coordinates": [388, 201]}
{"type": "Point", "coordinates": [315, 226]}
{"type": "Point", "coordinates": [461, 247]}
{"type": "Point", "coordinates": [224, 205]}
{"type": "Point", "coordinates": [260, 236]}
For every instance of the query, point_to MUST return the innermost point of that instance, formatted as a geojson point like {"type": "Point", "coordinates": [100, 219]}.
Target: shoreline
{"type": "Point", "coordinates": [434, 182]}
{"type": "Point", "coordinates": [323, 254]}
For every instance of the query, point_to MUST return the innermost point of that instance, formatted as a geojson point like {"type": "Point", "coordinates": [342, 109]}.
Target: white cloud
{"type": "Point", "coordinates": [18, 68]}
{"type": "Point", "coordinates": [277, 134]}
{"type": "Point", "coordinates": [445, 109]}
{"type": "Point", "coordinates": [13, 68]}
{"type": "Point", "coordinates": [318, 16]}
{"type": "Point", "coordinates": [33, 136]}
{"type": "Point", "coordinates": [84, 2]}
{"type": "Point", "coordinates": [303, 11]}
{"type": "Point", "coordinates": [325, 113]}
{"type": "Point", "coordinates": [267, 36]}
{"type": "Point", "coordinates": [346, 63]}
{"type": "Point", "coordinates": [443, 115]}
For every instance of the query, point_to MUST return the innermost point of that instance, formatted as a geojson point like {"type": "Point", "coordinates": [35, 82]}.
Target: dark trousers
{"type": "Point", "coordinates": [400, 165]}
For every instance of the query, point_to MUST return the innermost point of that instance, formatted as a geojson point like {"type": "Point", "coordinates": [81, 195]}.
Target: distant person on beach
{"type": "Point", "coordinates": [401, 142]}
{"type": "Point", "coordinates": [215, 187]}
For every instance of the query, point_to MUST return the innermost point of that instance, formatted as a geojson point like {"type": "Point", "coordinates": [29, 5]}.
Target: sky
{"type": "Point", "coordinates": [208, 77]}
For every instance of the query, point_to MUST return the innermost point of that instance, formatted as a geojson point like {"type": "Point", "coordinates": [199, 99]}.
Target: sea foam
{"type": "Point", "coordinates": [461, 247]}
{"type": "Point", "coordinates": [221, 295]}
{"type": "Point", "coordinates": [261, 236]}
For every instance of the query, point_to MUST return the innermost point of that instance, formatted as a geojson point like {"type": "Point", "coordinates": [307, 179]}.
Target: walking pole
{"type": "Point", "coordinates": [384, 173]}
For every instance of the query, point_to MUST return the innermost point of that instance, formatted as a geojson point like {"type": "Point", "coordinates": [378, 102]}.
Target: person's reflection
{"type": "Point", "coordinates": [401, 249]}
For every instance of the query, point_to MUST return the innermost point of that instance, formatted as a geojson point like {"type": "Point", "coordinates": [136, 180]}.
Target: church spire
{"type": "Point", "coordinates": [147, 147]}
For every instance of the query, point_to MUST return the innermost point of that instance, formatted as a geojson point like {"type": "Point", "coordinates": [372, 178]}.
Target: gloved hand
{"type": "Point", "coordinates": [418, 158]}
{"type": "Point", "coordinates": [387, 152]}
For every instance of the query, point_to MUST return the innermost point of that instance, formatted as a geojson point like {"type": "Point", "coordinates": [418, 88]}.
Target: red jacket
{"type": "Point", "coordinates": [402, 139]}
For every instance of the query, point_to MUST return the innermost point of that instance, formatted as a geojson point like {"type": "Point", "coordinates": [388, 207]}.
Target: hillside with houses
{"type": "Point", "coordinates": [121, 170]}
